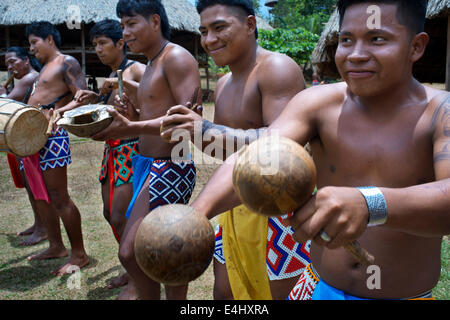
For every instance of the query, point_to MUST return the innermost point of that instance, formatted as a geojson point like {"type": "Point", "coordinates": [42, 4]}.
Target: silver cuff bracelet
{"type": "Point", "coordinates": [376, 204]}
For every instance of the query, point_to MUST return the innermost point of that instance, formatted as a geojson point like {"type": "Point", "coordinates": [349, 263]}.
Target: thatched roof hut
{"type": "Point", "coordinates": [434, 65]}
{"type": "Point", "coordinates": [182, 14]}
{"type": "Point", "coordinates": [15, 15]}
{"type": "Point", "coordinates": [270, 3]}
{"type": "Point", "coordinates": [75, 18]}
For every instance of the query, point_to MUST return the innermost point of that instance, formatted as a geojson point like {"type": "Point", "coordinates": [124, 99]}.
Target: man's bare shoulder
{"type": "Point", "coordinates": [28, 79]}
{"type": "Point", "coordinates": [137, 70]}
{"type": "Point", "coordinates": [69, 60]}
{"type": "Point", "coordinates": [270, 59]}
{"type": "Point", "coordinates": [138, 65]}
{"type": "Point", "coordinates": [323, 96]}
{"type": "Point", "coordinates": [69, 64]}
{"type": "Point", "coordinates": [438, 103]}
{"type": "Point", "coordinates": [277, 72]}
{"type": "Point", "coordinates": [276, 64]}
{"type": "Point", "coordinates": [176, 53]}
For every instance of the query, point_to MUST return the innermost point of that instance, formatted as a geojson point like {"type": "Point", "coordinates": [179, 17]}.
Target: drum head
{"type": "Point", "coordinates": [25, 132]}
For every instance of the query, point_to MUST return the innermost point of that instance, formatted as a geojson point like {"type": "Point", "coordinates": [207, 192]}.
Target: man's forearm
{"type": "Point", "coordinates": [152, 126]}
{"type": "Point", "coordinates": [225, 138]}
{"type": "Point", "coordinates": [71, 105]}
{"type": "Point", "coordinates": [421, 210]}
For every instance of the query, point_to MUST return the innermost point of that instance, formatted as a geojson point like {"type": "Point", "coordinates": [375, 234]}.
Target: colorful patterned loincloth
{"type": "Point", "coordinates": [121, 153]}
{"type": "Point", "coordinates": [304, 288]}
{"type": "Point", "coordinates": [218, 249]}
{"type": "Point", "coordinates": [285, 258]}
{"type": "Point", "coordinates": [170, 181]}
{"type": "Point", "coordinates": [56, 152]}
{"type": "Point", "coordinates": [311, 287]}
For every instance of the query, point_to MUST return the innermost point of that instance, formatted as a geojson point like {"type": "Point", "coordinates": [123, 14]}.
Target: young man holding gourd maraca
{"type": "Point", "coordinates": [251, 260]}
{"type": "Point", "coordinates": [380, 144]}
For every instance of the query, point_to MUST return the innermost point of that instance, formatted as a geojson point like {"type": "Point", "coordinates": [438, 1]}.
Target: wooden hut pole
{"type": "Point", "coordinates": [83, 49]}
{"type": "Point", "coordinates": [447, 75]}
{"type": "Point", "coordinates": [8, 44]}
{"type": "Point", "coordinates": [196, 47]}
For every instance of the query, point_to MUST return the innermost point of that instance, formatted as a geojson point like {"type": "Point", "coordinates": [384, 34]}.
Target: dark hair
{"type": "Point", "coordinates": [43, 29]}
{"type": "Point", "coordinates": [108, 28]}
{"type": "Point", "coordinates": [409, 13]}
{"type": "Point", "coordinates": [246, 5]}
{"type": "Point", "coordinates": [145, 8]}
{"type": "Point", "coordinates": [22, 53]}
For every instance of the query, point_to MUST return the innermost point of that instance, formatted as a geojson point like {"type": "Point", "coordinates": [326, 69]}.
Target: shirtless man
{"type": "Point", "coordinates": [25, 68]}
{"type": "Point", "coordinates": [171, 78]}
{"type": "Point", "coordinates": [116, 174]}
{"type": "Point", "coordinates": [59, 80]}
{"type": "Point", "coordinates": [251, 96]}
{"type": "Point", "coordinates": [382, 128]}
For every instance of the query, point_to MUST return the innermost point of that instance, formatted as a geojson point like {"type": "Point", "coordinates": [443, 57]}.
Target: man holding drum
{"type": "Point", "coordinates": [25, 68]}
{"type": "Point", "coordinates": [52, 92]}
{"type": "Point", "coordinates": [249, 262]}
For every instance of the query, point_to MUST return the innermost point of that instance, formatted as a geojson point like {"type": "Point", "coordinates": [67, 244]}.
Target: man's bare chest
{"type": "Point", "coordinates": [391, 152]}
{"type": "Point", "coordinates": [239, 107]}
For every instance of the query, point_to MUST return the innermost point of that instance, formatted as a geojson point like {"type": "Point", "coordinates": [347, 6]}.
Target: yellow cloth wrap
{"type": "Point", "coordinates": [244, 246]}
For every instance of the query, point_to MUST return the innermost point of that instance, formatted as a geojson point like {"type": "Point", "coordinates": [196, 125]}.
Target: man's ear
{"type": "Point", "coordinates": [155, 22]}
{"type": "Point", "coordinates": [418, 45]}
{"type": "Point", "coordinates": [120, 43]}
{"type": "Point", "coordinates": [251, 24]}
{"type": "Point", "coordinates": [50, 39]}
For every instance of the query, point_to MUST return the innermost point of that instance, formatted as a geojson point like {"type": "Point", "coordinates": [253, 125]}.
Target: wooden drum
{"type": "Point", "coordinates": [22, 128]}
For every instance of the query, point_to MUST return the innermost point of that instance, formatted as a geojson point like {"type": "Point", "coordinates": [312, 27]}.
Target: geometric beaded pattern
{"type": "Point", "coordinates": [286, 258]}
{"type": "Point", "coordinates": [122, 165]}
{"type": "Point", "coordinates": [304, 288]}
{"type": "Point", "coordinates": [56, 152]}
{"type": "Point", "coordinates": [171, 182]}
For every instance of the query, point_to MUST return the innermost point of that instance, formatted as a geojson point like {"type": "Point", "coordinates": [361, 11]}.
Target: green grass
{"type": "Point", "coordinates": [22, 279]}
{"type": "Point", "coordinates": [442, 290]}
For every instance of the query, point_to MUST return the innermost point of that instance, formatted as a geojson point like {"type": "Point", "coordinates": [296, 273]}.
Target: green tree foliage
{"type": "Point", "coordinates": [309, 14]}
{"type": "Point", "coordinates": [296, 43]}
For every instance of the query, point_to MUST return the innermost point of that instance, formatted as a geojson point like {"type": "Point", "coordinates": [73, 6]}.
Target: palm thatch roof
{"type": "Point", "coordinates": [323, 55]}
{"type": "Point", "coordinates": [14, 15]}
{"type": "Point", "coordinates": [182, 14]}
{"type": "Point", "coordinates": [271, 3]}
{"type": "Point", "coordinates": [438, 8]}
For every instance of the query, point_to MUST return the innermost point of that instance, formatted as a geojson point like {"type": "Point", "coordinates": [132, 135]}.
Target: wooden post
{"type": "Point", "coordinates": [447, 74]}
{"type": "Point", "coordinates": [207, 78]}
{"type": "Point", "coordinates": [195, 47]}
{"type": "Point", "coordinates": [83, 50]}
{"type": "Point", "coordinates": [8, 44]}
